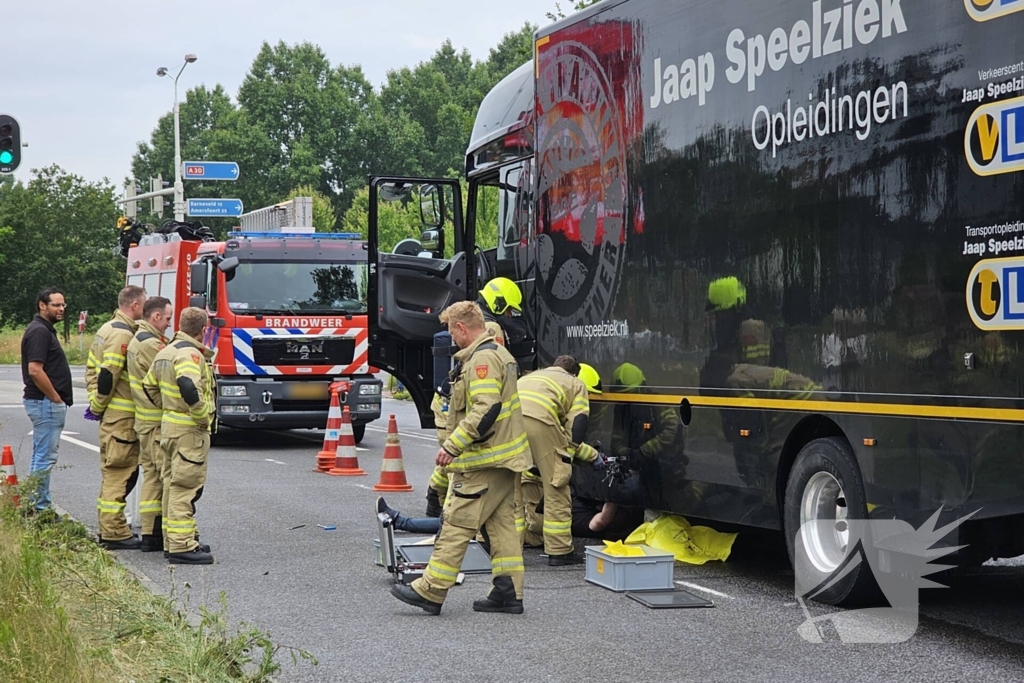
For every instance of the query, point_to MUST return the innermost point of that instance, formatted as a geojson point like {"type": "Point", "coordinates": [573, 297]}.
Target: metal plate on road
{"type": "Point", "coordinates": [214, 207]}
{"type": "Point", "coordinates": [673, 599]}
{"type": "Point", "coordinates": [210, 170]}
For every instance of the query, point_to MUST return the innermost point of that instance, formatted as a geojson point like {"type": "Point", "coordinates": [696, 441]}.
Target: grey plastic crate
{"type": "Point", "coordinates": [651, 572]}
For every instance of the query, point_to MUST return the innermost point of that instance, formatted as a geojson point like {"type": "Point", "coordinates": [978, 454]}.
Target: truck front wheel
{"type": "Point", "coordinates": [824, 510]}
{"type": "Point", "coordinates": [359, 431]}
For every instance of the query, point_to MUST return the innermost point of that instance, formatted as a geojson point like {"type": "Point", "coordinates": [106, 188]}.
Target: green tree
{"type": "Point", "coordinates": [204, 115]}
{"type": "Point", "coordinates": [324, 219]}
{"type": "Point", "coordinates": [396, 221]}
{"type": "Point", "coordinates": [59, 231]}
{"type": "Point", "coordinates": [577, 5]}
{"type": "Point", "coordinates": [297, 122]}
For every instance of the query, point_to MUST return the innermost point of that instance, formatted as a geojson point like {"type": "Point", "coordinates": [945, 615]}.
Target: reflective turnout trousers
{"type": "Point", "coordinates": [119, 469]}
{"type": "Point", "coordinates": [550, 454]}
{"type": "Point", "coordinates": [478, 500]}
{"type": "Point", "coordinates": [151, 495]}
{"type": "Point", "coordinates": [184, 475]}
{"type": "Point", "coordinates": [533, 495]}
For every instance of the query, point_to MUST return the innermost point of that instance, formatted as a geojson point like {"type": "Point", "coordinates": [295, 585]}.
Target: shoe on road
{"type": "Point", "coordinates": [411, 597]}
{"type": "Point", "coordinates": [566, 560]}
{"type": "Point", "coordinates": [130, 543]}
{"type": "Point", "coordinates": [191, 557]}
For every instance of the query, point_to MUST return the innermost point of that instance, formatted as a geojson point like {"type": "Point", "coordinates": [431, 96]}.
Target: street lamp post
{"type": "Point", "coordinates": [179, 187]}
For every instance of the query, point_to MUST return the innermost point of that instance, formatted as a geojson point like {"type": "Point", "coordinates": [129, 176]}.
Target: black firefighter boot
{"type": "Point", "coordinates": [153, 543]}
{"type": "Point", "coordinates": [502, 598]}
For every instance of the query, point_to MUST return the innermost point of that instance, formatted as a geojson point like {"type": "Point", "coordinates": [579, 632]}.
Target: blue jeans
{"type": "Point", "coordinates": [47, 424]}
{"type": "Point", "coordinates": [425, 525]}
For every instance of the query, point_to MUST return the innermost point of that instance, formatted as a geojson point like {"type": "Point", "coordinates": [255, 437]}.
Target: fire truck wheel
{"type": "Point", "coordinates": [824, 504]}
{"type": "Point", "coordinates": [359, 431]}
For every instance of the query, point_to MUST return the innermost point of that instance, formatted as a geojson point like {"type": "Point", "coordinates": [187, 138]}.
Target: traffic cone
{"type": "Point", "coordinates": [10, 476]}
{"type": "Point", "coordinates": [346, 464]}
{"type": "Point", "coordinates": [392, 469]}
{"type": "Point", "coordinates": [325, 458]}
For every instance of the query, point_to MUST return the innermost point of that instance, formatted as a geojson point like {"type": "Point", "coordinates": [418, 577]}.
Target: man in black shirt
{"type": "Point", "coordinates": [48, 392]}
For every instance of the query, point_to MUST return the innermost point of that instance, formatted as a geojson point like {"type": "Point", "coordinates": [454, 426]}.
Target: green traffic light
{"type": "Point", "coordinates": [6, 157]}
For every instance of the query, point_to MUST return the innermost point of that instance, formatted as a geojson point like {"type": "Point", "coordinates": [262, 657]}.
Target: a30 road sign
{"type": "Point", "coordinates": [210, 170]}
{"type": "Point", "coordinates": [214, 207]}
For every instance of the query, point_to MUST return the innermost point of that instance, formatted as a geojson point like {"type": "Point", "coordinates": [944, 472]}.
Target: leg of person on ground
{"type": "Point", "coordinates": [399, 522]}
{"type": "Point", "coordinates": [533, 496]}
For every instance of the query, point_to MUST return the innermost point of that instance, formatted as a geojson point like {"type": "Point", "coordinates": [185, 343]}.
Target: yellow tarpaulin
{"type": "Point", "coordinates": [620, 549]}
{"type": "Point", "coordinates": [690, 544]}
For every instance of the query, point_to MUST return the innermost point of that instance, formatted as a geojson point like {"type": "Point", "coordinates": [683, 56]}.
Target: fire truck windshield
{"type": "Point", "coordinates": [286, 287]}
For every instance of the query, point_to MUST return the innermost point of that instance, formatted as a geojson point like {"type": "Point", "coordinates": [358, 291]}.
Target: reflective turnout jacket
{"type": "Point", "coordinates": [484, 415]}
{"type": "Point", "coordinates": [110, 393]}
{"type": "Point", "coordinates": [181, 382]}
{"type": "Point", "coordinates": [142, 350]}
{"type": "Point", "coordinates": [558, 399]}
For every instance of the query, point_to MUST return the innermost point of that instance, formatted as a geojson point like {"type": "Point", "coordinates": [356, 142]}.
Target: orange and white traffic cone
{"type": "Point", "coordinates": [10, 476]}
{"type": "Point", "coordinates": [346, 464]}
{"type": "Point", "coordinates": [325, 458]}
{"type": "Point", "coordinates": [392, 469]}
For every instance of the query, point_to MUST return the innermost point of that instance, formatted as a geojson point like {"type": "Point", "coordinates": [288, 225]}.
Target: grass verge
{"type": "Point", "coordinates": [70, 613]}
{"type": "Point", "coordinates": [10, 346]}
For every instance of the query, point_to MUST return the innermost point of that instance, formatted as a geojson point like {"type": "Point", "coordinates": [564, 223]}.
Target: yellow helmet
{"type": "Point", "coordinates": [629, 377]}
{"type": "Point", "coordinates": [589, 376]}
{"type": "Point", "coordinates": [500, 294]}
{"type": "Point", "coordinates": [725, 293]}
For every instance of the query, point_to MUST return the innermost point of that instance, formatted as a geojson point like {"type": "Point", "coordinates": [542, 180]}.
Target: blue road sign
{"type": "Point", "coordinates": [210, 170]}
{"type": "Point", "coordinates": [214, 207]}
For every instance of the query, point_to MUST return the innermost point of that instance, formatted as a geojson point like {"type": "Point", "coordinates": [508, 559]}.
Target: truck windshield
{"type": "Point", "coordinates": [279, 287]}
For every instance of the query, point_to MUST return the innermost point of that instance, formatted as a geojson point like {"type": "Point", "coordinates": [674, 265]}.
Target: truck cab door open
{"type": "Point", "coordinates": [416, 271]}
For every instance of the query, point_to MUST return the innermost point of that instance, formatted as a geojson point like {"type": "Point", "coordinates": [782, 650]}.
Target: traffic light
{"type": "Point", "coordinates": [157, 203]}
{"type": "Point", "coordinates": [10, 144]}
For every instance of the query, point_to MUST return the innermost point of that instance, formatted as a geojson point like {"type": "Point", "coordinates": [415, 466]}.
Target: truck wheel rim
{"type": "Point", "coordinates": [824, 524]}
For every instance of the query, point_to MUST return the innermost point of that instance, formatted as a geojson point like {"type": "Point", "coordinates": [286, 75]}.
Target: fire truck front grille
{"type": "Point", "coordinates": [298, 350]}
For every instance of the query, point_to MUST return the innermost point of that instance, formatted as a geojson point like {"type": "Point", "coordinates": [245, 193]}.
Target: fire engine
{"type": "Point", "coordinates": [287, 317]}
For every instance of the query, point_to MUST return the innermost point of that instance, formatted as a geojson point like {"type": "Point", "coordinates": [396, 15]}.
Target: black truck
{"type": "Point", "coordinates": [790, 236]}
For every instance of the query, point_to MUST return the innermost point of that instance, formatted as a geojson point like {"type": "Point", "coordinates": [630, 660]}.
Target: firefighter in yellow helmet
{"type": "Point", "coordinates": [556, 408]}
{"type": "Point", "coordinates": [648, 436]}
{"type": "Point", "coordinates": [501, 301]}
{"type": "Point", "coordinates": [110, 402]}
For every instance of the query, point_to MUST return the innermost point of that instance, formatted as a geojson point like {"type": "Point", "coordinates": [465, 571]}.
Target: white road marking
{"type": "Point", "coordinates": [411, 436]}
{"type": "Point", "coordinates": [702, 588]}
{"type": "Point", "coordinates": [364, 486]}
{"type": "Point", "coordinates": [276, 462]}
{"type": "Point", "coordinates": [69, 439]}
{"type": "Point", "coordinates": [12, 405]}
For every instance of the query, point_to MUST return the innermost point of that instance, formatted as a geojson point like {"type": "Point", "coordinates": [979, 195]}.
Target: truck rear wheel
{"type": "Point", "coordinates": [825, 492]}
{"type": "Point", "coordinates": [359, 431]}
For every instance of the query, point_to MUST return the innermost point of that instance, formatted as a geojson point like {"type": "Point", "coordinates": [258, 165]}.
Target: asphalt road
{"type": "Point", "coordinates": [321, 591]}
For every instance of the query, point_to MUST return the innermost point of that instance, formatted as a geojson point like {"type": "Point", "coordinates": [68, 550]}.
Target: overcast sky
{"type": "Point", "coordinates": [80, 75]}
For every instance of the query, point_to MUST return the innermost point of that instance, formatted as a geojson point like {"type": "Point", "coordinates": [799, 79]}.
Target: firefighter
{"type": "Point", "coordinates": [556, 409]}
{"type": "Point", "coordinates": [183, 377]}
{"type": "Point", "coordinates": [484, 454]}
{"type": "Point", "coordinates": [142, 349]}
{"type": "Point", "coordinates": [110, 402]}
{"type": "Point", "coordinates": [501, 301]}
